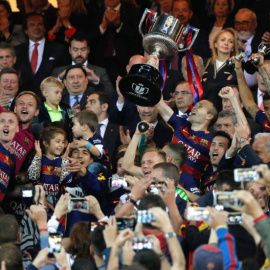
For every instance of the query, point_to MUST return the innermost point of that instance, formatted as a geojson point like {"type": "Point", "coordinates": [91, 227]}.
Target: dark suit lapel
{"type": "Point", "coordinates": [25, 57]}
{"type": "Point", "coordinates": [45, 57]}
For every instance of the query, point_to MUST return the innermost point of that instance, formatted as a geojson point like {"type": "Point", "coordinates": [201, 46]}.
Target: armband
{"type": "Point", "coordinates": [88, 145]}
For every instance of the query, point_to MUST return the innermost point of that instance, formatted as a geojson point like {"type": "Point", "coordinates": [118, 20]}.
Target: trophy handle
{"type": "Point", "coordinates": [196, 32]}
{"type": "Point", "coordinates": [146, 11]}
{"type": "Point", "coordinates": [263, 49]}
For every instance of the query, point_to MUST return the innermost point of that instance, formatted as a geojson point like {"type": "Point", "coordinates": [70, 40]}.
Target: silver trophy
{"type": "Point", "coordinates": [262, 49]}
{"type": "Point", "coordinates": [239, 57]}
{"type": "Point", "coordinates": [165, 37]}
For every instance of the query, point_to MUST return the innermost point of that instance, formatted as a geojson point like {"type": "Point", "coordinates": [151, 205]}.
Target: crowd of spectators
{"type": "Point", "coordinates": [90, 180]}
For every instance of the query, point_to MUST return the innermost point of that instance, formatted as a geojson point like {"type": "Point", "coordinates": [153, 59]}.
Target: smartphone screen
{"type": "Point", "coordinates": [226, 199]}
{"type": "Point", "coordinates": [124, 223]}
{"type": "Point", "coordinates": [55, 242]}
{"type": "Point", "coordinates": [245, 175]}
{"type": "Point", "coordinates": [145, 216]}
{"type": "Point", "coordinates": [198, 214]}
{"type": "Point", "coordinates": [78, 204]}
{"type": "Point", "coordinates": [117, 182]}
{"type": "Point", "coordinates": [139, 243]}
{"type": "Point", "coordinates": [27, 195]}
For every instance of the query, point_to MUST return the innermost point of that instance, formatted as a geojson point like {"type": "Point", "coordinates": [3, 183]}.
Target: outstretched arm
{"type": "Point", "coordinates": [164, 110]}
{"type": "Point", "coordinates": [245, 93]}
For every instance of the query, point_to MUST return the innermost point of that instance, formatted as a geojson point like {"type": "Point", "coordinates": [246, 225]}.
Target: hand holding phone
{"type": "Point", "coordinates": [55, 240]}
{"type": "Point", "coordinates": [78, 204]}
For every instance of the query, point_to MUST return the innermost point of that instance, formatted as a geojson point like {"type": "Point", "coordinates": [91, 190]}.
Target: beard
{"type": "Point", "coordinates": [244, 35]}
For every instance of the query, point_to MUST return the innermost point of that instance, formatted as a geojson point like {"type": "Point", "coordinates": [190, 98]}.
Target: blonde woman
{"type": "Point", "coordinates": [217, 73]}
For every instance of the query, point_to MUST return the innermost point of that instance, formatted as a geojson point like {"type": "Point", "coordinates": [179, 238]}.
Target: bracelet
{"type": "Point", "coordinates": [68, 27]}
{"type": "Point", "coordinates": [43, 230]}
{"type": "Point", "coordinates": [88, 145]}
{"type": "Point", "coordinates": [260, 218]}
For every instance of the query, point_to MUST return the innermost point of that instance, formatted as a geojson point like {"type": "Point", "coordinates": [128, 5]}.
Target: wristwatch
{"type": "Point", "coordinates": [242, 140]}
{"type": "Point", "coordinates": [129, 199]}
{"type": "Point", "coordinates": [170, 234]}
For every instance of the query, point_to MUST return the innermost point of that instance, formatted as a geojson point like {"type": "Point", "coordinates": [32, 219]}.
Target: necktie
{"type": "Point", "coordinates": [98, 131]}
{"type": "Point", "coordinates": [261, 106]}
{"type": "Point", "coordinates": [34, 58]}
{"type": "Point", "coordinates": [76, 101]}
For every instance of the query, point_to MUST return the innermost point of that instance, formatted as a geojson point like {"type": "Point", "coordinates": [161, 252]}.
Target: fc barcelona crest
{"type": "Point", "coordinates": [26, 141]}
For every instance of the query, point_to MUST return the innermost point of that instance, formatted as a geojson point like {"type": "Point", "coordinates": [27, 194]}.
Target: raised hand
{"type": "Point", "coordinates": [38, 149]}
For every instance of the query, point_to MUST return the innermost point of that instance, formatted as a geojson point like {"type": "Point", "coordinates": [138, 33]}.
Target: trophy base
{"type": "Point", "coordinates": [142, 85]}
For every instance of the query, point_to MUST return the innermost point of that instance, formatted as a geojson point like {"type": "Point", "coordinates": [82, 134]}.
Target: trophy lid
{"type": "Point", "coordinates": [142, 85]}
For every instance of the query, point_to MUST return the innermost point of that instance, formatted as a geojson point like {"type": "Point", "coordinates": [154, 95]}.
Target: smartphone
{"type": "Point", "coordinates": [139, 243]}
{"type": "Point", "coordinates": [245, 175]}
{"type": "Point", "coordinates": [93, 225]}
{"type": "Point", "coordinates": [234, 218]}
{"type": "Point", "coordinates": [78, 204]}
{"type": "Point", "coordinates": [225, 199]}
{"type": "Point", "coordinates": [27, 195]}
{"type": "Point", "coordinates": [117, 182]}
{"type": "Point", "coordinates": [156, 186]}
{"type": "Point", "coordinates": [198, 214]}
{"type": "Point", "coordinates": [55, 240]}
{"type": "Point", "coordinates": [145, 216]}
{"type": "Point", "coordinates": [124, 223]}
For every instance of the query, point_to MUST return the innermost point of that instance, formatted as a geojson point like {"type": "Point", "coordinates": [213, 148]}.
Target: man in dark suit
{"type": "Point", "coordinates": [99, 103]}
{"type": "Point", "coordinates": [76, 88]}
{"type": "Point", "coordinates": [116, 37]}
{"type": "Point", "coordinates": [79, 51]}
{"type": "Point", "coordinates": [37, 58]}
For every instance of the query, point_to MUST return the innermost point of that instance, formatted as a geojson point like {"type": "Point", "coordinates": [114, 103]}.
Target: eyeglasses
{"type": "Point", "coordinates": [244, 23]}
{"type": "Point", "coordinates": [183, 93]}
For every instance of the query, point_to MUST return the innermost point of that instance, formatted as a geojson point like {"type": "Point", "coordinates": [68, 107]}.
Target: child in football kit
{"type": "Point", "coordinates": [84, 126]}
{"type": "Point", "coordinates": [49, 169]}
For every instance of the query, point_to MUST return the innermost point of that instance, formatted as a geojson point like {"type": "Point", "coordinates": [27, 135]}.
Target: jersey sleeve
{"type": "Point", "coordinates": [262, 120]}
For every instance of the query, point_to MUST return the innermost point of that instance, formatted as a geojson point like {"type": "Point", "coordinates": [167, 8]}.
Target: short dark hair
{"type": "Point", "coordinates": [266, 96]}
{"type": "Point", "coordinates": [6, 46]}
{"type": "Point", "coordinates": [83, 264]}
{"type": "Point", "coordinates": [6, 6]}
{"type": "Point", "coordinates": [10, 71]}
{"type": "Point", "coordinates": [169, 170]}
{"type": "Point", "coordinates": [88, 118]}
{"type": "Point", "coordinates": [147, 258]}
{"type": "Point", "coordinates": [188, 1]}
{"type": "Point", "coordinates": [30, 14]}
{"type": "Point", "coordinates": [11, 255]}
{"type": "Point", "coordinates": [97, 240]}
{"type": "Point", "coordinates": [73, 67]}
{"type": "Point", "coordinates": [9, 229]}
{"type": "Point", "coordinates": [226, 177]}
{"type": "Point", "coordinates": [223, 134]}
{"type": "Point", "coordinates": [151, 200]}
{"type": "Point", "coordinates": [79, 36]}
{"type": "Point", "coordinates": [179, 151]}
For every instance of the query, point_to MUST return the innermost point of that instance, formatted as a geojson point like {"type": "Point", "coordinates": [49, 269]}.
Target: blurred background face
{"type": "Point", "coordinates": [245, 25]}
{"type": "Point", "coordinates": [147, 114]}
{"type": "Point", "coordinates": [120, 171]}
{"type": "Point", "coordinates": [217, 149]}
{"type": "Point", "coordinates": [166, 5]}
{"type": "Point", "coordinates": [260, 193]}
{"type": "Point", "coordinates": [182, 12]}
{"type": "Point", "coordinates": [3, 12]}
{"type": "Point", "coordinates": [261, 150]}
{"type": "Point", "coordinates": [225, 43]}
{"type": "Point", "coordinates": [221, 8]}
{"type": "Point", "coordinates": [225, 124]}
{"type": "Point", "coordinates": [183, 96]}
